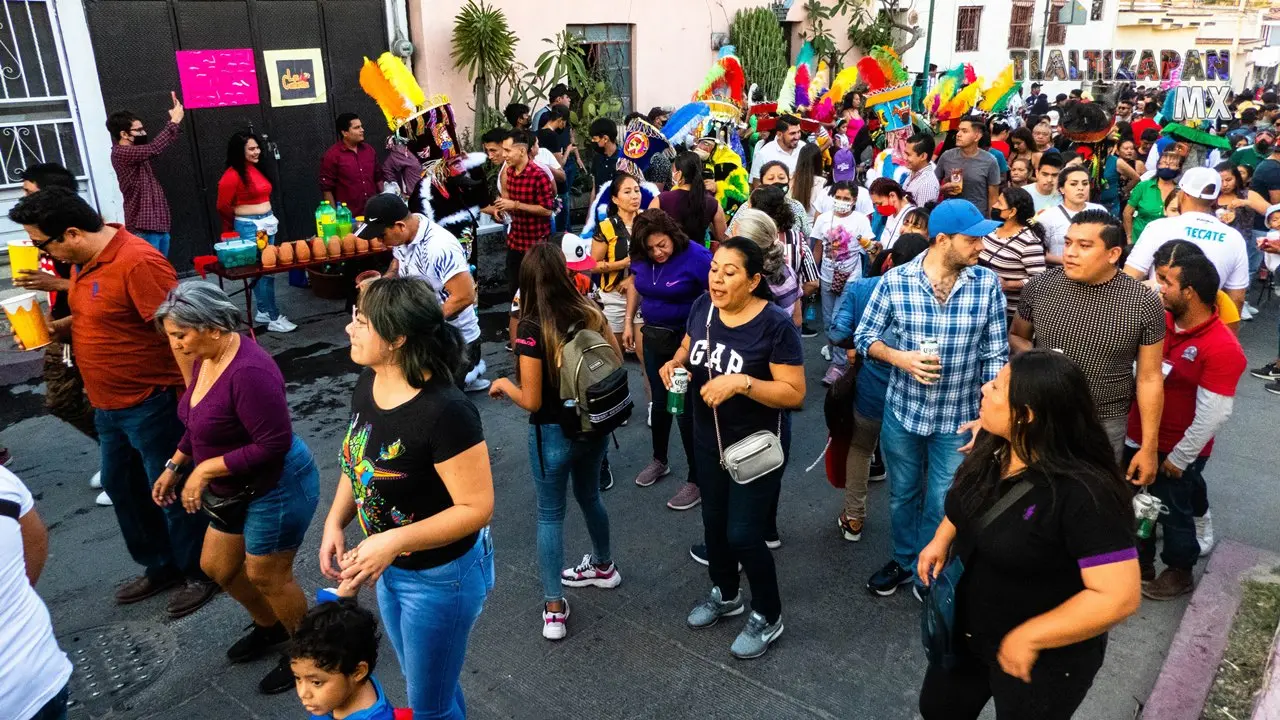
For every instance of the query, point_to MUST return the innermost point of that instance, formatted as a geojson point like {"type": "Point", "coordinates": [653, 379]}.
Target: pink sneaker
{"type": "Point", "coordinates": [589, 573]}
{"type": "Point", "coordinates": [554, 624]}
{"type": "Point", "coordinates": [834, 373]}
{"type": "Point", "coordinates": [686, 499]}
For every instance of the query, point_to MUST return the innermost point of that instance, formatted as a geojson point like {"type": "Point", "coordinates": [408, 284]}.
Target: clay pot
{"type": "Point", "coordinates": [302, 251]}
{"type": "Point", "coordinates": [285, 254]}
{"type": "Point", "coordinates": [334, 247]}
{"type": "Point", "coordinates": [349, 244]}
{"type": "Point", "coordinates": [362, 245]}
{"type": "Point", "coordinates": [376, 245]}
{"type": "Point", "coordinates": [269, 256]}
{"type": "Point", "coordinates": [318, 250]}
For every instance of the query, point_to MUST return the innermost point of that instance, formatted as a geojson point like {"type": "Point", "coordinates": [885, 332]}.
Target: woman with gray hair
{"type": "Point", "coordinates": [758, 227]}
{"type": "Point", "coordinates": [240, 463]}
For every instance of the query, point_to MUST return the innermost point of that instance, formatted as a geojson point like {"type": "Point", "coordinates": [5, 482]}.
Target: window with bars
{"type": "Point", "coordinates": [1056, 33]}
{"type": "Point", "coordinates": [967, 29]}
{"type": "Point", "coordinates": [608, 53]}
{"type": "Point", "coordinates": [1096, 12]}
{"type": "Point", "coordinates": [1020, 25]}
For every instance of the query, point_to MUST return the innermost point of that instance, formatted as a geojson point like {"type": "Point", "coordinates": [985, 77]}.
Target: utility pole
{"type": "Point", "coordinates": [1044, 34]}
{"type": "Point", "coordinates": [924, 72]}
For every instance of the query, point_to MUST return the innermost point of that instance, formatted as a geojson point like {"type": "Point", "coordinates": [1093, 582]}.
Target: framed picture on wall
{"type": "Point", "coordinates": [296, 76]}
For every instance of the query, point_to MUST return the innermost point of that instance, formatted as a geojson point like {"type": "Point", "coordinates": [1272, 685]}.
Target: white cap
{"type": "Point", "coordinates": [577, 252]}
{"type": "Point", "coordinates": [1201, 182]}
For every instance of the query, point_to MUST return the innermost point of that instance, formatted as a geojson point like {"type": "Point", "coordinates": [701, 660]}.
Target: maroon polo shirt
{"type": "Point", "coordinates": [349, 175]}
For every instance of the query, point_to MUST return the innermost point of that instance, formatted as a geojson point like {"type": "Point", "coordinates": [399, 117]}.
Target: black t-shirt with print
{"type": "Point", "coordinates": [768, 338]}
{"type": "Point", "coordinates": [529, 344]}
{"type": "Point", "coordinates": [1028, 561]}
{"type": "Point", "coordinates": [389, 457]}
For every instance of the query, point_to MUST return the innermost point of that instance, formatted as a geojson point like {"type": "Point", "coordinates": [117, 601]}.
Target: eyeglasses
{"type": "Point", "coordinates": [42, 245]}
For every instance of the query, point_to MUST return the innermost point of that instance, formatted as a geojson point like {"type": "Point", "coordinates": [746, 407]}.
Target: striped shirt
{"type": "Point", "coordinates": [972, 338]}
{"type": "Point", "coordinates": [1014, 259]}
{"type": "Point", "coordinates": [800, 256]}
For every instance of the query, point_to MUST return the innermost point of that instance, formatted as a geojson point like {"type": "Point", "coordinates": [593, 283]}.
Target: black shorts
{"type": "Point", "coordinates": [470, 359]}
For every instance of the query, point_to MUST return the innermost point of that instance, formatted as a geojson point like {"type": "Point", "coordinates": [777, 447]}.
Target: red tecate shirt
{"type": "Point", "coordinates": [1206, 357]}
{"type": "Point", "coordinates": [122, 356]}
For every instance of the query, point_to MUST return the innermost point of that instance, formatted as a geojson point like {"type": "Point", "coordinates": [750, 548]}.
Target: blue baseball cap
{"type": "Point", "coordinates": [959, 217]}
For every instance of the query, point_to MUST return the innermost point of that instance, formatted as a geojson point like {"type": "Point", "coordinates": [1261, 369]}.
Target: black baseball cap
{"type": "Point", "coordinates": [382, 211]}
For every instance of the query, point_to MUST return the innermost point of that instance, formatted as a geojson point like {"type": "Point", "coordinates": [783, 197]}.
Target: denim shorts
{"type": "Point", "coordinates": [277, 521]}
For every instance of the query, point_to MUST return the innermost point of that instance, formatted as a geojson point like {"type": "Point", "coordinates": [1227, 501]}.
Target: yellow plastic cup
{"type": "Point", "coordinates": [23, 257]}
{"type": "Point", "coordinates": [27, 318]}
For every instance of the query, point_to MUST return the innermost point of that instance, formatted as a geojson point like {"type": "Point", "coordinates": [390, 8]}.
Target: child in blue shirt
{"type": "Point", "coordinates": [333, 654]}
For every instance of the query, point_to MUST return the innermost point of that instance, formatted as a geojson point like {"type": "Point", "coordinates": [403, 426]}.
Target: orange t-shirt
{"type": "Point", "coordinates": [122, 357]}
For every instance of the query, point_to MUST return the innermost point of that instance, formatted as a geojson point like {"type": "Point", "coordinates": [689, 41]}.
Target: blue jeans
{"type": "Point", "coordinates": [830, 300]}
{"type": "Point", "coordinates": [264, 293]}
{"type": "Point", "coordinates": [158, 240]}
{"type": "Point", "coordinates": [916, 498]}
{"type": "Point", "coordinates": [278, 520]}
{"type": "Point", "coordinates": [1254, 253]}
{"type": "Point", "coordinates": [553, 459]}
{"type": "Point", "coordinates": [1181, 550]}
{"type": "Point", "coordinates": [428, 615]}
{"type": "Point", "coordinates": [134, 444]}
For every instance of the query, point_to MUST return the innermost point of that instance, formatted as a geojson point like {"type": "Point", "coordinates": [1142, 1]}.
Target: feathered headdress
{"type": "Point", "coordinates": [953, 97]}
{"type": "Point", "coordinates": [725, 80]}
{"type": "Point", "coordinates": [640, 143]}
{"type": "Point", "coordinates": [393, 88]}
{"type": "Point", "coordinates": [684, 121]}
{"type": "Point", "coordinates": [995, 99]}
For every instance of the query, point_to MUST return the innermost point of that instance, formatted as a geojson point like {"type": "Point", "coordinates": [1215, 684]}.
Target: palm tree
{"type": "Point", "coordinates": [484, 46]}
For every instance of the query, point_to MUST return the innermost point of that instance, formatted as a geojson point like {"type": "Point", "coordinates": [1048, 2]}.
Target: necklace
{"type": "Point", "coordinates": [201, 385]}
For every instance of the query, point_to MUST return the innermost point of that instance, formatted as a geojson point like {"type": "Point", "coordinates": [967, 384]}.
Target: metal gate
{"type": "Point", "coordinates": [37, 108]}
{"type": "Point", "coordinates": [134, 43]}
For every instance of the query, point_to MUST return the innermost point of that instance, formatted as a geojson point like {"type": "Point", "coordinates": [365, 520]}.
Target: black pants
{"type": "Point", "coordinates": [1060, 679]}
{"type": "Point", "coordinates": [471, 355]}
{"type": "Point", "coordinates": [734, 518]}
{"type": "Point", "coordinates": [661, 430]}
{"type": "Point", "coordinates": [514, 258]}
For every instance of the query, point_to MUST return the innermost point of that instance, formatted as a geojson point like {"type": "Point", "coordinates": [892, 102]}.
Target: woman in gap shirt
{"type": "Point", "coordinates": [1047, 578]}
{"type": "Point", "coordinates": [244, 203]}
{"type": "Point", "coordinates": [415, 472]}
{"type": "Point", "coordinates": [744, 356]}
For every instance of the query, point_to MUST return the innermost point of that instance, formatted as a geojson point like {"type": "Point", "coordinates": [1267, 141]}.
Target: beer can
{"type": "Point", "coordinates": [929, 347]}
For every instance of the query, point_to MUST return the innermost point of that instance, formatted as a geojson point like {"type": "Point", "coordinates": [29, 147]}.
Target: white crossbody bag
{"type": "Point", "coordinates": [755, 455]}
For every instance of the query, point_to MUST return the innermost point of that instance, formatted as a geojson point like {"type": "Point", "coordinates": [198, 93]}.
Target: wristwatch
{"type": "Point", "coordinates": [172, 466]}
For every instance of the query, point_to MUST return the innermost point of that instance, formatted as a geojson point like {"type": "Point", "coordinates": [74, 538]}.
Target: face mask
{"type": "Point", "coordinates": [784, 185]}
{"type": "Point", "coordinates": [886, 210]}
{"type": "Point", "coordinates": [141, 139]}
{"type": "Point", "coordinates": [997, 215]}
{"type": "Point", "coordinates": [1167, 173]}
{"type": "Point", "coordinates": [842, 207]}
{"type": "Point", "coordinates": [1262, 147]}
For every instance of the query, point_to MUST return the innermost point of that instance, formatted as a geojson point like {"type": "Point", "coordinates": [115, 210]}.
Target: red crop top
{"type": "Point", "coordinates": [233, 192]}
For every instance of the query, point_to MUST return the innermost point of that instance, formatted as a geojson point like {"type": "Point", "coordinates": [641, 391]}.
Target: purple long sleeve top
{"type": "Point", "coordinates": [244, 419]}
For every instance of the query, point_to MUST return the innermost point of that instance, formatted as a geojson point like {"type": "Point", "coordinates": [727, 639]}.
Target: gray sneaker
{"type": "Point", "coordinates": [709, 611]}
{"type": "Point", "coordinates": [651, 472]}
{"type": "Point", "coordinates": [754, 639]}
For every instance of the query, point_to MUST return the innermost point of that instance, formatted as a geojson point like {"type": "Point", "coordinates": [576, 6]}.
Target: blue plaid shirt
{"type": "Point", "coordinates": [973, 342]}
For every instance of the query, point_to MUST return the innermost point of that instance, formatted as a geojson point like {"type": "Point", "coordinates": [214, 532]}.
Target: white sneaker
{"type": "Point", "coordinates": [649, 418]}
{"type": "Point", "coordinates": [826, 352]}
{"type": "Point", "coordinates": [261, 318]}
{"type": "Point", "coordinates": [477, 385]}
{"type": "Point", "coordinates": [281, 325]}
{"type": "Point", "coordinates": [1248, 312]}
{"type": "Point", "coordinates": [95, 482]}
{"type": "Point", "coordinates": [103, 500]}
{"type": "Point", "coordinates": [1204, 533]}
{"type": "Point", "coordinates": [554, 624]}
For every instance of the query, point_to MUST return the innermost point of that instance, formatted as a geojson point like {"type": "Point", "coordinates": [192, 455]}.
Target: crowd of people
{"type": "Point", "coordinates": [1021, 325]}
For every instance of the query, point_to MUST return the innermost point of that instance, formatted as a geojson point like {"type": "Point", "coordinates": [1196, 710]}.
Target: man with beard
{"type": "Point", "coordinates": [1103, 320]}
{"type": "Point", "coordinates": [1250, 155]}
{"type": "Point", "coordinates": [146, 209]}
{"type": "Point", "coordinates": [1206, 363]}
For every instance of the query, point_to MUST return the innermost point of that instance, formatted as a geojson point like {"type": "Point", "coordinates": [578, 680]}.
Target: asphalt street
{"type": "Point", "coordinates": [845, 654]}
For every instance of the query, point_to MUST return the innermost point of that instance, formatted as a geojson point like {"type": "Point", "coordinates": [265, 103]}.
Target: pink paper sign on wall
{"type": "Point", "coordinates": [217, 78]}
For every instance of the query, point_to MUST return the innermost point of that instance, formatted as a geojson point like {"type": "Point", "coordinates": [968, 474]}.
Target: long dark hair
{"type": "Point", "coordinates": [808, 167]}
{"type": "Point", "coordinates": [752, 263]}
{"type": "Point", "coordinates": [615, 188]}
{"type": "Point", "coordinates": [773, 201]}
{"type": "Point", "coordinates": [1055, 430]}
{"type": "Point", "coordinates": [1242, 188]}
{"type": "Point", "coordinates": [550, 300]}
{"type": "Point", "coordinates": [690, 166]}
{"type": "Point", "coordinates": [1023, 134]}
{"type": "Point", "coordinates": [1024, 210]}
{"type": "Point", "coordinates": [406, 307]}
{"type": "Point", "coordinates": [235, 154]}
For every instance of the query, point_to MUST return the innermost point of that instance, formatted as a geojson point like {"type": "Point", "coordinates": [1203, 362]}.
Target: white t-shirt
{"type": "Point", "coordinates": [1056, 219]}
{"type": "Point", "coordinates": [1043, 201]}
{"type": "Point", "coordinates": [435, 255]}
{"type": "Point", "coordinates": [1221, 243]}
{"type": "Point", "coordinates": [33, 668]}
{"type": "Point", "coordinates": [770, 152]}
{"type": "Point", "coordinates": [858, 226]}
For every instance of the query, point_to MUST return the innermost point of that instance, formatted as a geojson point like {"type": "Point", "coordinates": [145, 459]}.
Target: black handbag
{"type": "Point", "coordinates": [664, 342]}
{"type": "Point", "coordinates": [938, 616]}
{"type": "Point", "coordinates": [230, 511]}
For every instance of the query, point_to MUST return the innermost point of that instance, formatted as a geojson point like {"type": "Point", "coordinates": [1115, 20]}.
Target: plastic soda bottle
{"type": "Point", "coordinates": [344, 220]}
{"type": "Point", "coordinates": [320, 218]}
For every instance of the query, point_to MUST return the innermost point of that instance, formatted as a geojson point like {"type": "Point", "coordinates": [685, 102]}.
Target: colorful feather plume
{"type": "Point", "coordinates": [824, 111]}
{"type": "Point", "coordinates": [960, 104]}
{"type": "Point", "coordinates": [820, 81]}
{"type": "Point", "coordinates": [787, 95]}
{"type": "Point", "coordinates": [807, 56]}
{"type": "Point", "coordinates": [870, 72]}
{"type": "Point", "coordinates": [844, 82]}
{"type": "Point", "coordinates": [713, 76]}
{"type": "Point", "coordinates": [394, 70]}
{"type": "Point", "coordinates": [378, 87]}
{"type": "Point", "coordinates": [734, 78]}
{"type": "Point", "coordinates": [802, 86]}
{"type": "Point", "coordinates": [995, 97]}
{"type": "Point", "coordinates": [890, 65]}
{"type": "Point", "coordinates": [684, 120]}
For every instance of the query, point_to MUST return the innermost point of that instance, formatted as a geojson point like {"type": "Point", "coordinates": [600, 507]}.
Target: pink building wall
{"type": "Point", "coordinates": [671, 41]}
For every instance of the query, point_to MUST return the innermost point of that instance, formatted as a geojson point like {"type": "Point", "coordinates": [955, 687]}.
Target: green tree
{"type": "Point", "coordinates": [485, 47]}
{"type": "Point", "coordinates": [758, 38]}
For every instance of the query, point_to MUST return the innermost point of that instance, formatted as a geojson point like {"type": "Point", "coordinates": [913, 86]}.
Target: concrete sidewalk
{"type": "Point", "coordinates": [845, 654]}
